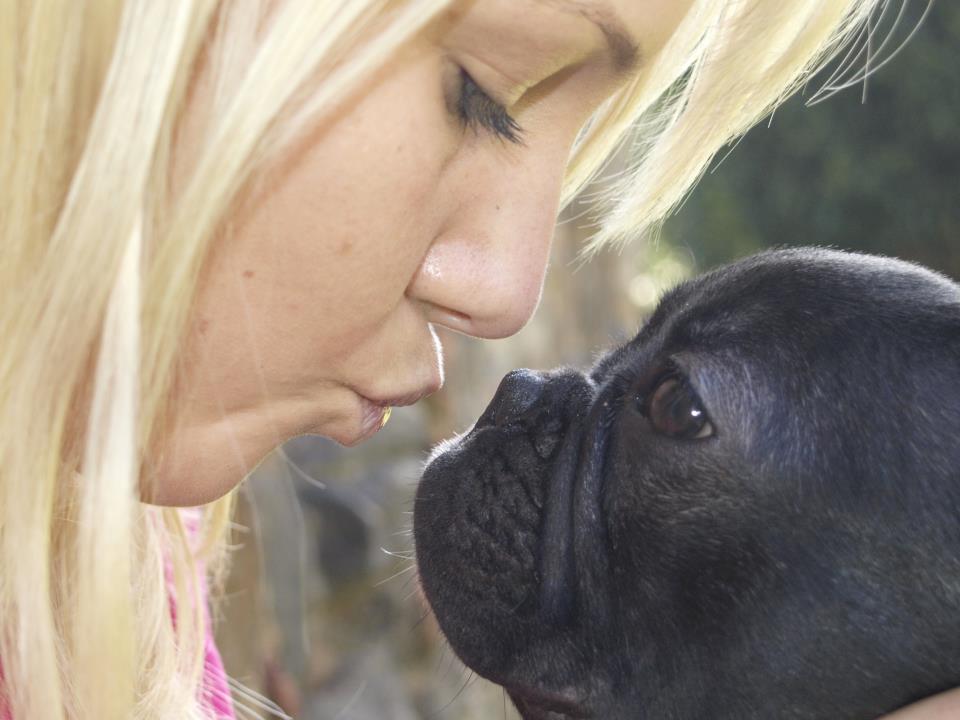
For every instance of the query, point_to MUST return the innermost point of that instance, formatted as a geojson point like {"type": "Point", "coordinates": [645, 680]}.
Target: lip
{"type": "Point", "coordinates": [372, 415]}
{"type": "Point", "coordinates": [373, 407]}
{"type": "Point", "coordinates": [541, 705]}
{"type": "Point", "coordinates": [404, 398]}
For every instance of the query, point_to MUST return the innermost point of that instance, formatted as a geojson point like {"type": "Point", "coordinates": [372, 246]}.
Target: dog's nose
{"type": "Point", "coordinates": [518, 392]}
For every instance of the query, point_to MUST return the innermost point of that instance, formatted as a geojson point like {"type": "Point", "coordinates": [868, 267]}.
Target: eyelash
{"type": "Point", "coordinates": [476, 109]}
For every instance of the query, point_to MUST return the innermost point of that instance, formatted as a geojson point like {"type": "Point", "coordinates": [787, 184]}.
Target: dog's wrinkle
{"type": "Point", "coordinates": [588, 526]}
{"type": "Point", "coordinates": [495, 494]}
{"type": "Point", "coordinates": [556, 554]}
{"type": "Point", "coordinates": [546, 445]}
{"type": "Point", "coordinates": [546, 440]}
{"type": "Point", "coordinates": [526, 463]}
{"type": "Point", "coordinates": [555, 435]}
{"type": "Point", "coordinates": [501, 512]}
{"type": "Point", "coordinates": [502, 516]}
{"type": "Point", "coordinates": [504, 496]}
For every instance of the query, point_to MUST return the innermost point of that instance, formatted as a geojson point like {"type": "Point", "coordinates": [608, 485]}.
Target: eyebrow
{"type": "Point", "coordinates": [624, 50]}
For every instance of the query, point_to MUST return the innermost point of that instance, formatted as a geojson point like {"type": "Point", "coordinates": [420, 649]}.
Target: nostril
{"type": "Point", "coordinates": [518, 392]}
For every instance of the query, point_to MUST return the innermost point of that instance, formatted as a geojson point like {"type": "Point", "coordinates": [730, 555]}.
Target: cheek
{"type": "Point", "coordinates": [327, 250]}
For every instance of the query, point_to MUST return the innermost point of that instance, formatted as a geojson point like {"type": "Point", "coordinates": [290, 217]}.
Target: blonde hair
{"type": "Point", "coordinates": [101, 257]}
{"type": "Point", "coordinates": [728, 65]}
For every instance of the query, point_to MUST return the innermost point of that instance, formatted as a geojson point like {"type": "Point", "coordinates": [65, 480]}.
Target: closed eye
{"type": "Point", "coordinates": [476, 109]}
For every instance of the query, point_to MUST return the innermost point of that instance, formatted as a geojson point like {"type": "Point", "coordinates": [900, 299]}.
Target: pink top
{"type": "Point", "coordinates": [214, 692]}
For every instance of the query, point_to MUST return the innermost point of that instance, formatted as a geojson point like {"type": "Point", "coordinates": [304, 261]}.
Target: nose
{"type": "Point", "coordinates": [483, 273]}
{"type": "Point", "coordinates": [518, 392]}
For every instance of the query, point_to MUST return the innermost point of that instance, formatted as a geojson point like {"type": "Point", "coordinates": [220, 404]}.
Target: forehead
{"type": "Point", "coordinates": [633, 28]}
{"type": "Point", "coordinates": [809, 300]}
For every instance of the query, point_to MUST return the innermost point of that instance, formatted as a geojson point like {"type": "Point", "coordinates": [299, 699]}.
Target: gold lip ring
{"type": "Point", "coordinates": [386, 416]}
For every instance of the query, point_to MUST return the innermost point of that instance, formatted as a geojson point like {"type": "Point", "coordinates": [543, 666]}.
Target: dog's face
{"type": "Point", "coordinates": [751, 510]}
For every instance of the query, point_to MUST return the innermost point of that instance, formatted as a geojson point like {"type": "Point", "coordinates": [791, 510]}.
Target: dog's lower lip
{"type": "Point", "coordinates": [541, 701]}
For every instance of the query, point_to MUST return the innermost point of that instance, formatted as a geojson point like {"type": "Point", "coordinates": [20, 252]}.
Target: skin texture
{"type": "Point", "coordinates": [393, 218]}
{"type": "Point", "coordinates": [746, 512]}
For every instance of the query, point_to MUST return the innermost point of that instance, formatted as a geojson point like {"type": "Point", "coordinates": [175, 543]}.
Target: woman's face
{"type": "Point", "coordinates": [429, 200]}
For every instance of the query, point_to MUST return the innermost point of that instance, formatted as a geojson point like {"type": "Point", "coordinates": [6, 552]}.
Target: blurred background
{"type": "Point", "coordinates": [323, 612]}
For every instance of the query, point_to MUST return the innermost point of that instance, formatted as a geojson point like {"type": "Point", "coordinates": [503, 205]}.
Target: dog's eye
{"type": "Point", "coordinates": [674, 410]}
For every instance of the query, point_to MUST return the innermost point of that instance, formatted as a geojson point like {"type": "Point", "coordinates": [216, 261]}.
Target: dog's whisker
{"type": "Point", "coordinates": [422, 618]}
{"type": "Point", "coordinates": [402, 554]}
{"type": "Point", "coordinates": [453, 699]}
{"type": "Point", "coordinates": [440, 658]}
{"type": "Point", "coordinates": [395, 575]}
{"type": "Point", "coordinates": [407, 582]}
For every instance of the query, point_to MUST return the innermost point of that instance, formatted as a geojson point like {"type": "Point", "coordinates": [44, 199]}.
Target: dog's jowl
{"type": "Point", "coordinates": [751, 510]}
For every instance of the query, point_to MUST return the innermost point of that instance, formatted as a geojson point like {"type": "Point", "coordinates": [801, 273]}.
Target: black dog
{"type": "Point", "coordinates": [751, 510]}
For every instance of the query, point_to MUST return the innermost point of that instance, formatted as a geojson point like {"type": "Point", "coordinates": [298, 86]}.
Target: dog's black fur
{"type": "Point", "coordinates": [800, 559]}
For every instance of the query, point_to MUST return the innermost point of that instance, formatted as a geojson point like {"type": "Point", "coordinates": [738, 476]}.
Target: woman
{"type": "Point", "coordinates": [227, 224]}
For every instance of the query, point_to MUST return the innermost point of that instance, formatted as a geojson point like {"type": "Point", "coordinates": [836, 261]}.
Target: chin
{"type": "Point", "coordinates": [199, 471]}
{"type": "Point", "coordinates": [189, 487]}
